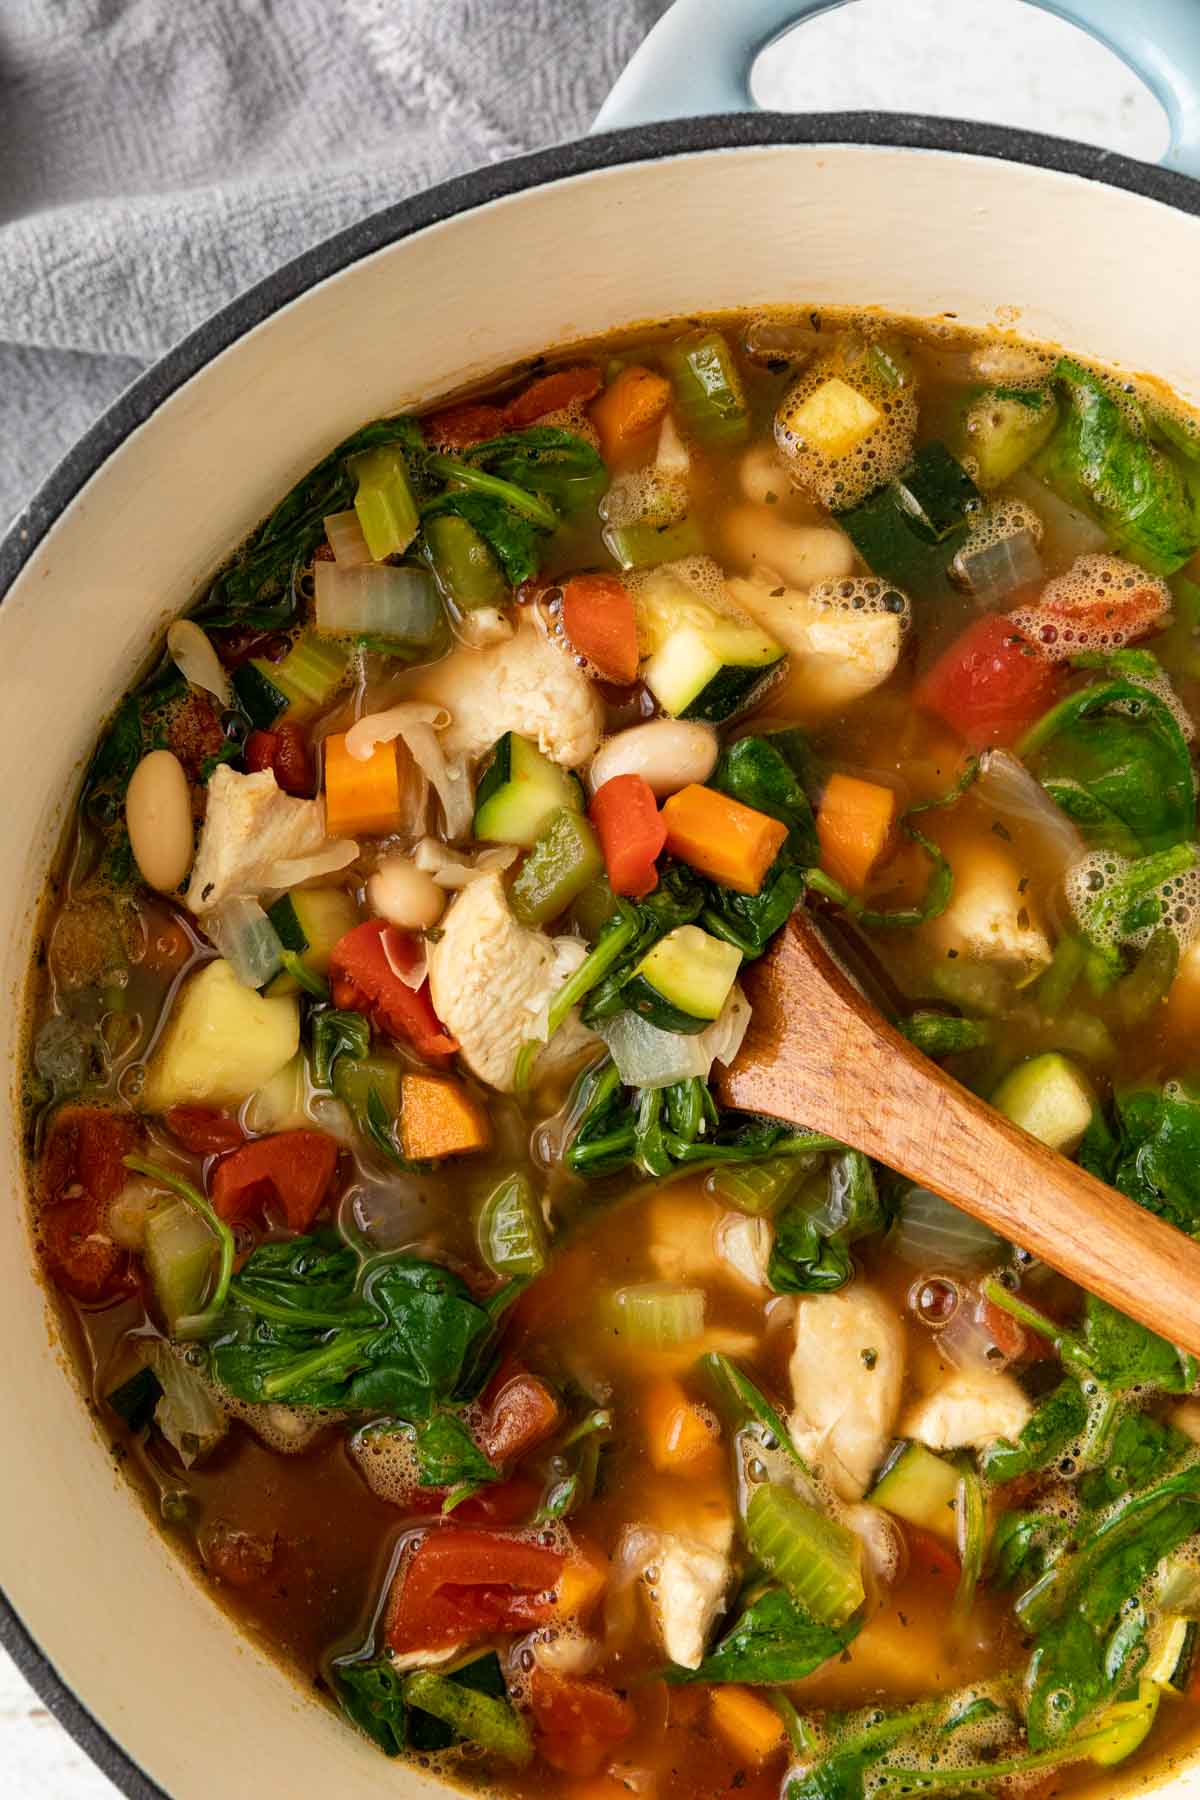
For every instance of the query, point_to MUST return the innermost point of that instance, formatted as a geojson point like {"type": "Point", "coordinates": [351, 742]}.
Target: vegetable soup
{"type": "Point", "coordinates": [572, 1434]}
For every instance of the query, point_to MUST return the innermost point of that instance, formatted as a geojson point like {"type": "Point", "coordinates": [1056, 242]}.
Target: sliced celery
{"type": "Point", "coordinates": [511, 1230]}
{"type": "Point", "coordinates": [179, 1259]}
{"type": "Point", "coordinates": [564, 860]}
{"type": "Point", "coordinates": [384, 502]}
{"type": "Point", "coordinates": [467, 572]}
{"type": "Point", "coordinates": [817, 1560]}
{"type": "Point", "coordinates": [659, 1315]}
{"type": "Point", "coordinates": [483, 1719]}
{"type": "Point", "coordinates": [643, 546]}
{"type": "Point", "coordinates": [759, 1188]}
{"type": "Point", "coordinates": [708, 389]}
{"type": "Point", "coordinates": [311, 672]}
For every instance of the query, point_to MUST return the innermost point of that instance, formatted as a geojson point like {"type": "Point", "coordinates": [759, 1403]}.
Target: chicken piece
{"type": "Point", "coordinates": [847, 1370]}
{"type": "Point", "coordinates": [744, 1246]}
{"type": "Point", "coordinates": [989, 918]}
{"type": "Point", "coordinates": [524, 684]}
{"type": "Point", "coordinates": [249, 825]}
{"type": "Point", "coordinates": [842, 638]}
{"type": "Point", "coordinates": [685, 1585]}
{"type": "Point", "coordinates": [970, 1409]}
{"type": "Point", "coordinates": [491, 982]}
{"type": "Point", "coordinates": [680, 1228]}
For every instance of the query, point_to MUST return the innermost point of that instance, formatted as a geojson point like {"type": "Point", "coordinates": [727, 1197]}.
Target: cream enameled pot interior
{"type": "Point", "coordinates": [1110, 273]}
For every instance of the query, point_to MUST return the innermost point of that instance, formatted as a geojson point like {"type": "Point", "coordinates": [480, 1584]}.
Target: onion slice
{"type": "Point", "coordinates": [408, 962]}
{"type": "Point", "coordinates": [451, 869]}
{"type": "Point", "coordinates": [417, 723]}
{"type": "Point", "coordinates": [293, 871]}
{"type": "Point", "coordinates": [1006, 788]}
{"type": "Point", "coordinates": [648, 1057]}
{"type": "Point", "coordinates": [192, 652]}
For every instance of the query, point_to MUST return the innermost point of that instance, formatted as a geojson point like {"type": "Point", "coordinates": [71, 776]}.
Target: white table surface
{"type": "Point", "coordinates": [1011, 65]}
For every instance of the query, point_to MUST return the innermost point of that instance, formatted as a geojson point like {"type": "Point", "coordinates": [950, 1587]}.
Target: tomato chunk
{"type": "Point", "coordinates": [80, 1174]}
{"type": "Point", "coordinates": [203, 1132]}
{"type": "Point", "coordinates": [578, 1721]}
{"type": "Point", "coordinates": [550, 393]}
{"type": "Point", "coordinates": [362, 979]}
{"type": "Point", "coordinates": [931, 1558]}
{"type": "Point", "coordinates": [471, 423]}
{"type": "Point", "coordinates": [463, 1583]}
{"type": "Point", "coordinates": [991, 683]}
{"type": "Point", "coordinates": [599, 619]}
{"type": "Point", "coordinates": [285, 752]}
{"type": "Point", "coordinates": [631, 832]}
{"type": "Point", "coordinates": [522, 1414]}
{"type": "Point", "coordinates": [292, 1169]}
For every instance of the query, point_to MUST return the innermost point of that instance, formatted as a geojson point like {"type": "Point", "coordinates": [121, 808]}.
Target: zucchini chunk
{"type": "Point", "coordinates": [309, 923]}
{"type": "Point", "coordinates": [519, 791]}
{"type": "Point", "coordinates": [684, 981]}
{"type": "Point", "coordinates": [702, 663]}
{"type": "Point", "coordinates": [920, 1488]}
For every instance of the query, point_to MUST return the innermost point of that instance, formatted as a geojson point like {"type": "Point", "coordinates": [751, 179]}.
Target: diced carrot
{"type": "Point", "coordinates": [584, 1578]}
{"type": "Point", "coordinates": [730, 843]}
{"type": "Point", "coordinates": [854, 822]}
{"type": "Point", "coordinates": [550, 393]}
{"type": "Point", "coordinates": [635, 401]}
{"type": "Point", "coordinates": [753, 1727]}
{"type": "Point", "coordinates": [521, 1414]}
{"type": "Point", "coordinates": [438, 1117]}
{"type": "Point", "coordinates": [599, 620]}
{"type": "Point", "coordinates": [361, 796]}
{"type": "Point", "coordinates": [678, 1432]}
{"type": "Point", "coordinates": [578, 1722]}
{"type": "Point", "coordinates": [631, 832]}
{"type": "Point", "coordinates": [471, 422]}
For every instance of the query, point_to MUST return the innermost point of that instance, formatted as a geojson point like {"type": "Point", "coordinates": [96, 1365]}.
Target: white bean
{"type": "Point", "coordinates": [405, 895]}
{"type": "Point", "coordinates": [762, 471]}
{"type": "Point", "coordinates": [668, 754]}
{"type": "Point", "coordinates": [801, 555]}
{"type": "Point", "coordinates": [158, 817]}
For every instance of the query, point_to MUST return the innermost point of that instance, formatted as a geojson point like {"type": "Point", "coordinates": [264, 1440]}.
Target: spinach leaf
{"type": "Point", "coordinates": [258, 588]}
{"type": "Point", "coordinates": [483, 1676]}
{"type": "Point", "coordinates": [1114, 758]}
{"type": "Point", "coordinates": [301, 1326]}
{"type": "Point", "coordinates": [1090, 1625]}
{"type": "Point", "coordinates": [1101, 459]}
{"type": "Point", "coordinates": [371, 1696]}
{"type": "Point", "coordinates": [841, 1775]}
{"type": "Point", "coordinates": [1022, 1544]}
{"type": "Point", "coordinates": [1056, 1422]}
{"type": "Point", "coordinates": [1140, 1451]}
{"type": "Point", "coordinates": [775, 1639]}
{"type": "Point", "coordinates": [335, 1033]}
{"type": "Point", "coordinates": [1115, 1351]}
{"type": "Point", "coordinates": [560, 466]}
{"type": "Point", "coordinates": [1151, 1152]}
{"type": "Point", "coordinates": [447, 1455]}
{"type": "Point", "coordinates": [1129, 899]}
{"type": "Point", "coordinates": [813, 1235]}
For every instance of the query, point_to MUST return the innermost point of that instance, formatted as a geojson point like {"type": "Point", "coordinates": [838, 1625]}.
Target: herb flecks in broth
{"type": "Point", "coordinates": [568, 1428]}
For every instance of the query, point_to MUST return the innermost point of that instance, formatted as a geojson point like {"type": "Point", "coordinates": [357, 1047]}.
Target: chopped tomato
{"type": "Point", "coordinates": [930, 1556]}
{"type": "Point", "coordinates": [362, 979]}
{"type": "Point", "coordinates": [631, 832]}
{"type": "Point", "coordinates": [462, 1583]}
{"type": "Point", "coordinates": [522, 1414]}
{"type": "Point", "coordinates": [1101, 603]}
{"type": "Point", "coordinates": [80, 1174]}
{"type": "Point", "coordinates": [599, 620]}
{"type": "Point", "coordinates": [1006, 1332]}
{"type": "Point", "coordinates": [285, 752]}
{"type": "Point", "coordinates": [194, 734]}
{"type": "Point", "coordinates": [551, 393]}
{"type": "Point", "coordinates": [291, 1168]}
{"type": "Point", "coordinates": [577, 1721]}
{"type": "Point", "coordinates": [990, 684]}
{"type": "Point", "coordinates": [471, 423]}
{"type": "Point", "coordinates": [202, 1132]}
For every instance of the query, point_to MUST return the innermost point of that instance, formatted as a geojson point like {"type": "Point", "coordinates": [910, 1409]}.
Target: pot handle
{"type": "Point", "coordinates": [699, 58]}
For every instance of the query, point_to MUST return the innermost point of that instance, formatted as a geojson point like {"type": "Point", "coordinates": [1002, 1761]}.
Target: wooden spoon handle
{"type": "Point", "coordinates": [817, 1054]}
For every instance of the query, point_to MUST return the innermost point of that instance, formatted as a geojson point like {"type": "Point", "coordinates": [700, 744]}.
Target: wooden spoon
{"type": "Point", "coordinates": [818, 1054]}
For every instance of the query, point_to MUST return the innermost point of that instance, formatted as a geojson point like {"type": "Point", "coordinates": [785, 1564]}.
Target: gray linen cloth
{"type": "Point", "coordinates": [159, 156]}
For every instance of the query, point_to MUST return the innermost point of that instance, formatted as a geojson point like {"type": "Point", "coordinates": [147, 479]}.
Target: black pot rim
{"type": "Point", "coordinates": [463, 194]}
